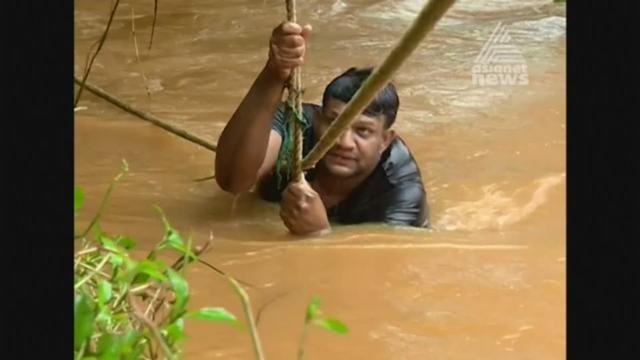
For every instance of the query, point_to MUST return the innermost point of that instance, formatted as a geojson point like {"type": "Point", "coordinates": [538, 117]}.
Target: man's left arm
{"type": "Point", "coordinates": [407, 206]}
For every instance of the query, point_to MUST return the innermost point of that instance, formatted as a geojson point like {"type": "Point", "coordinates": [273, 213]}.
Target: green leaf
{"type": "Point", "coordinates": [312, 309]}
{"type": "Point", "coordinates": [129, 340]}
{"type": "Point", "coordinates": [115, 346]}
{"type": "Point", "coordinates": [175, 331]}
{"type": "Point", "coordinates": [215, 314]}
{"type": "Point", "coordinates": [104, 291]}
{"type": "Point", "coordinates": [131, 267]}
{"type": "Point", "coordinates": [78, 198]}
{"type": "Point", "coordinates": [152, 268]}
{"type": "Point", "coordinates": [108, 243]}
{"type": "Point", "coordinates": [126, 242]}
{"type": "Point", "coordinates": [115, 260]}
{"type": "Point", "coordinates": [332, 325]}
{"type": "Point", "coordinates": [142, 271]}
{"type": "Point", "coordinates": [172, 237]}
{"type": "Point", "coordinates": [136, 352]}
{"type": "Point", "coordinates": [107, 347]}
{"type": "Point", "coordinates": [181, 290]}
{"type": "Point", "coordinates": [83, 316]}
{"type": "Point", "coordinates": [97, 230]}
{"type": "Point", "coordinates": [120, 317]}
{"type": "Point", "coordinates": [105, 316]}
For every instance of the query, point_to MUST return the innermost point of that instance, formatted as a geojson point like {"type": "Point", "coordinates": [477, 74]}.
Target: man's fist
{"type": "Point", "coordinates": [303, 211]}
{"type": "Point", "coordinates": [286, 48]}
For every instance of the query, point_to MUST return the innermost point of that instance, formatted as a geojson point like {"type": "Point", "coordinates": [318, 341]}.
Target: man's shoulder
{"type": "Point", "coordinates": [398, 164]}
{"type": "Point", "coordinates": [308, 109]}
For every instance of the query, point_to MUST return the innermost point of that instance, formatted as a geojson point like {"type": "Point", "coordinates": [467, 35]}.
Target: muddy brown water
{"type": "Point", "coordinates": [487, 282]}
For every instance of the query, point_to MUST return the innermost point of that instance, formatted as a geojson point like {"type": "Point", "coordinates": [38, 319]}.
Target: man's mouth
{"type": "Point", "coordinates": [341, 156]}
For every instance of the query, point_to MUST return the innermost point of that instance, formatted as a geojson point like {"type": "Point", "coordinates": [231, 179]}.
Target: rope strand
{"type": "Point", "coordinates": [295, 100]}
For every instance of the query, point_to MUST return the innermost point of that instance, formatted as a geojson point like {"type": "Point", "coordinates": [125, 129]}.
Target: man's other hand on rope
{"type": "Point", "coordinates": [303, 211]}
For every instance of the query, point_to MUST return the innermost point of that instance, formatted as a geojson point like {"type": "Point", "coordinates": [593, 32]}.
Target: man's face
{"type": "Point", "coordinates": [359, 148]}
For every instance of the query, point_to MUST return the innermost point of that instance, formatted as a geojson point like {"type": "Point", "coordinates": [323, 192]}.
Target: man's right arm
{"type": "Point", "coordinates": [247, 147]}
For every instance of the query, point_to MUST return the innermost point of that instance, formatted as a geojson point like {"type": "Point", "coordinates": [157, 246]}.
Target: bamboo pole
{"type": "Point", "coordinates": [426, 20]}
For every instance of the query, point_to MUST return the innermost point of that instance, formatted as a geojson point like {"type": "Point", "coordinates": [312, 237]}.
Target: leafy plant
{"type": "Point", "coordinates": [126, 308]}
{"type": "Point", "coordinates": [315, 317]}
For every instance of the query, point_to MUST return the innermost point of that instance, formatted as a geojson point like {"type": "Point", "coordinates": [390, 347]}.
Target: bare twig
{"type": "Point", "coordinates": [153, 24]}
{"type": "Point", "coordinates": [102, 40]}
{"type": "Point", "coordinates": [135, 44]}
{"type": "Point", "coordinates": [155, 297]}
{"type": "Point", "coordinates": [91, 268]}
{"type": "Point", "coordinates": [211, 177]}
{"type": "Point", "coordinates": [87, 251]}
{"type": "Point", "coordinates": [94, 272]}
{"type": "Point", "coordinates": [152, 327]}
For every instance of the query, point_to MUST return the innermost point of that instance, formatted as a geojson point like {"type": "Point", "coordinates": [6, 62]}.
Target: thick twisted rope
{"type": "Point", "coordinates": [294, 105]}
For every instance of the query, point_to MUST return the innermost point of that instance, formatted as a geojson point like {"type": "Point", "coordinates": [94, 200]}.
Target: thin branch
{"type": "Point", "coordinates": [102, 40]}
{"type": "Point", "coordinates": [221, 272]}
{"type": "Point", "coordinates": [147, 116]}
{"type": "Point", "coordinates": [303, 340]}
{"type": "Point", "coordinates": [246, 307]}
{"type": "Point", "coordinates": [103, 204]}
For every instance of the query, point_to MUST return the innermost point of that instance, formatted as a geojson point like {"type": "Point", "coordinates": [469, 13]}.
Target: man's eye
{"type": "Point", "coordinates": [363, 131]}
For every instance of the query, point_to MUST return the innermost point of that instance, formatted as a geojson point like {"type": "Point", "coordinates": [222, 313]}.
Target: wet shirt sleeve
{"type": "Point", "coordinates": [406, 205]}
{"type": "Point", "coordinates": [279, 120]}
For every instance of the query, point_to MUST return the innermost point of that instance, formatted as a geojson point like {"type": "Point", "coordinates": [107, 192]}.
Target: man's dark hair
{"type": "Point", "coordinates": [344, 86]}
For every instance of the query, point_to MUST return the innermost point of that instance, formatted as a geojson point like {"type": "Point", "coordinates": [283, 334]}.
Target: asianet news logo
{"type": "Point", "coordinates": [499, 62]}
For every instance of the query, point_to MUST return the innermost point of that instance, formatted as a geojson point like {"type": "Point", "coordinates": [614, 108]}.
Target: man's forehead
{"type": "Point", "coordinates": [334, 107]}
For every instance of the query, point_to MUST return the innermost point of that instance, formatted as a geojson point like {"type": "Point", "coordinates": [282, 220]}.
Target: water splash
{"type": "Point", "coordinates": [496, 209]}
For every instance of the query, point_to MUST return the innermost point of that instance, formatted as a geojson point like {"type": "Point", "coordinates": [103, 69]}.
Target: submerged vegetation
{"type": "Point", "coordinates": [126, 308]}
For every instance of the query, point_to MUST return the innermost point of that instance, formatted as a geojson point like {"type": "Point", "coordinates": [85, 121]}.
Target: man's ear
{"type": "Point", "coordinates": [388, 136]}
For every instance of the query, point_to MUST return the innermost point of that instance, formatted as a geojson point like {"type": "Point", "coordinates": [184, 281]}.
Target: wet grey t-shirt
{"type": "Point", "coordinates": [392, 194]}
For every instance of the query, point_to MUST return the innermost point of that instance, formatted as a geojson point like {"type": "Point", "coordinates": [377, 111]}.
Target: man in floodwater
{"type": "Point", "coordinates": [368, 176]}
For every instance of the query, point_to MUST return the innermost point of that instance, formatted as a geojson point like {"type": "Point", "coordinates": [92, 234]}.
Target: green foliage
{"type": "Point", "coordinates": [127, 308]}
{"type": "Point", "coordinates": [314, 316]}
{"type": "Point", "coordinates": [332, 325]}
{"type": "Point", "coordinates": [215, 314]}
{"type": "Point", "coordinates": [78, 198]}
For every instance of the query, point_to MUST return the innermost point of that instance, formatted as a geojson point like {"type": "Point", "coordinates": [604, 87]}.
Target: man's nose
{"type": "Point", "coordinates": [345, 141]}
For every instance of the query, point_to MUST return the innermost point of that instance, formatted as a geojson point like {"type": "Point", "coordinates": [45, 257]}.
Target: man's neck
{"type": "Point", "coordinates": [334, 190]}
